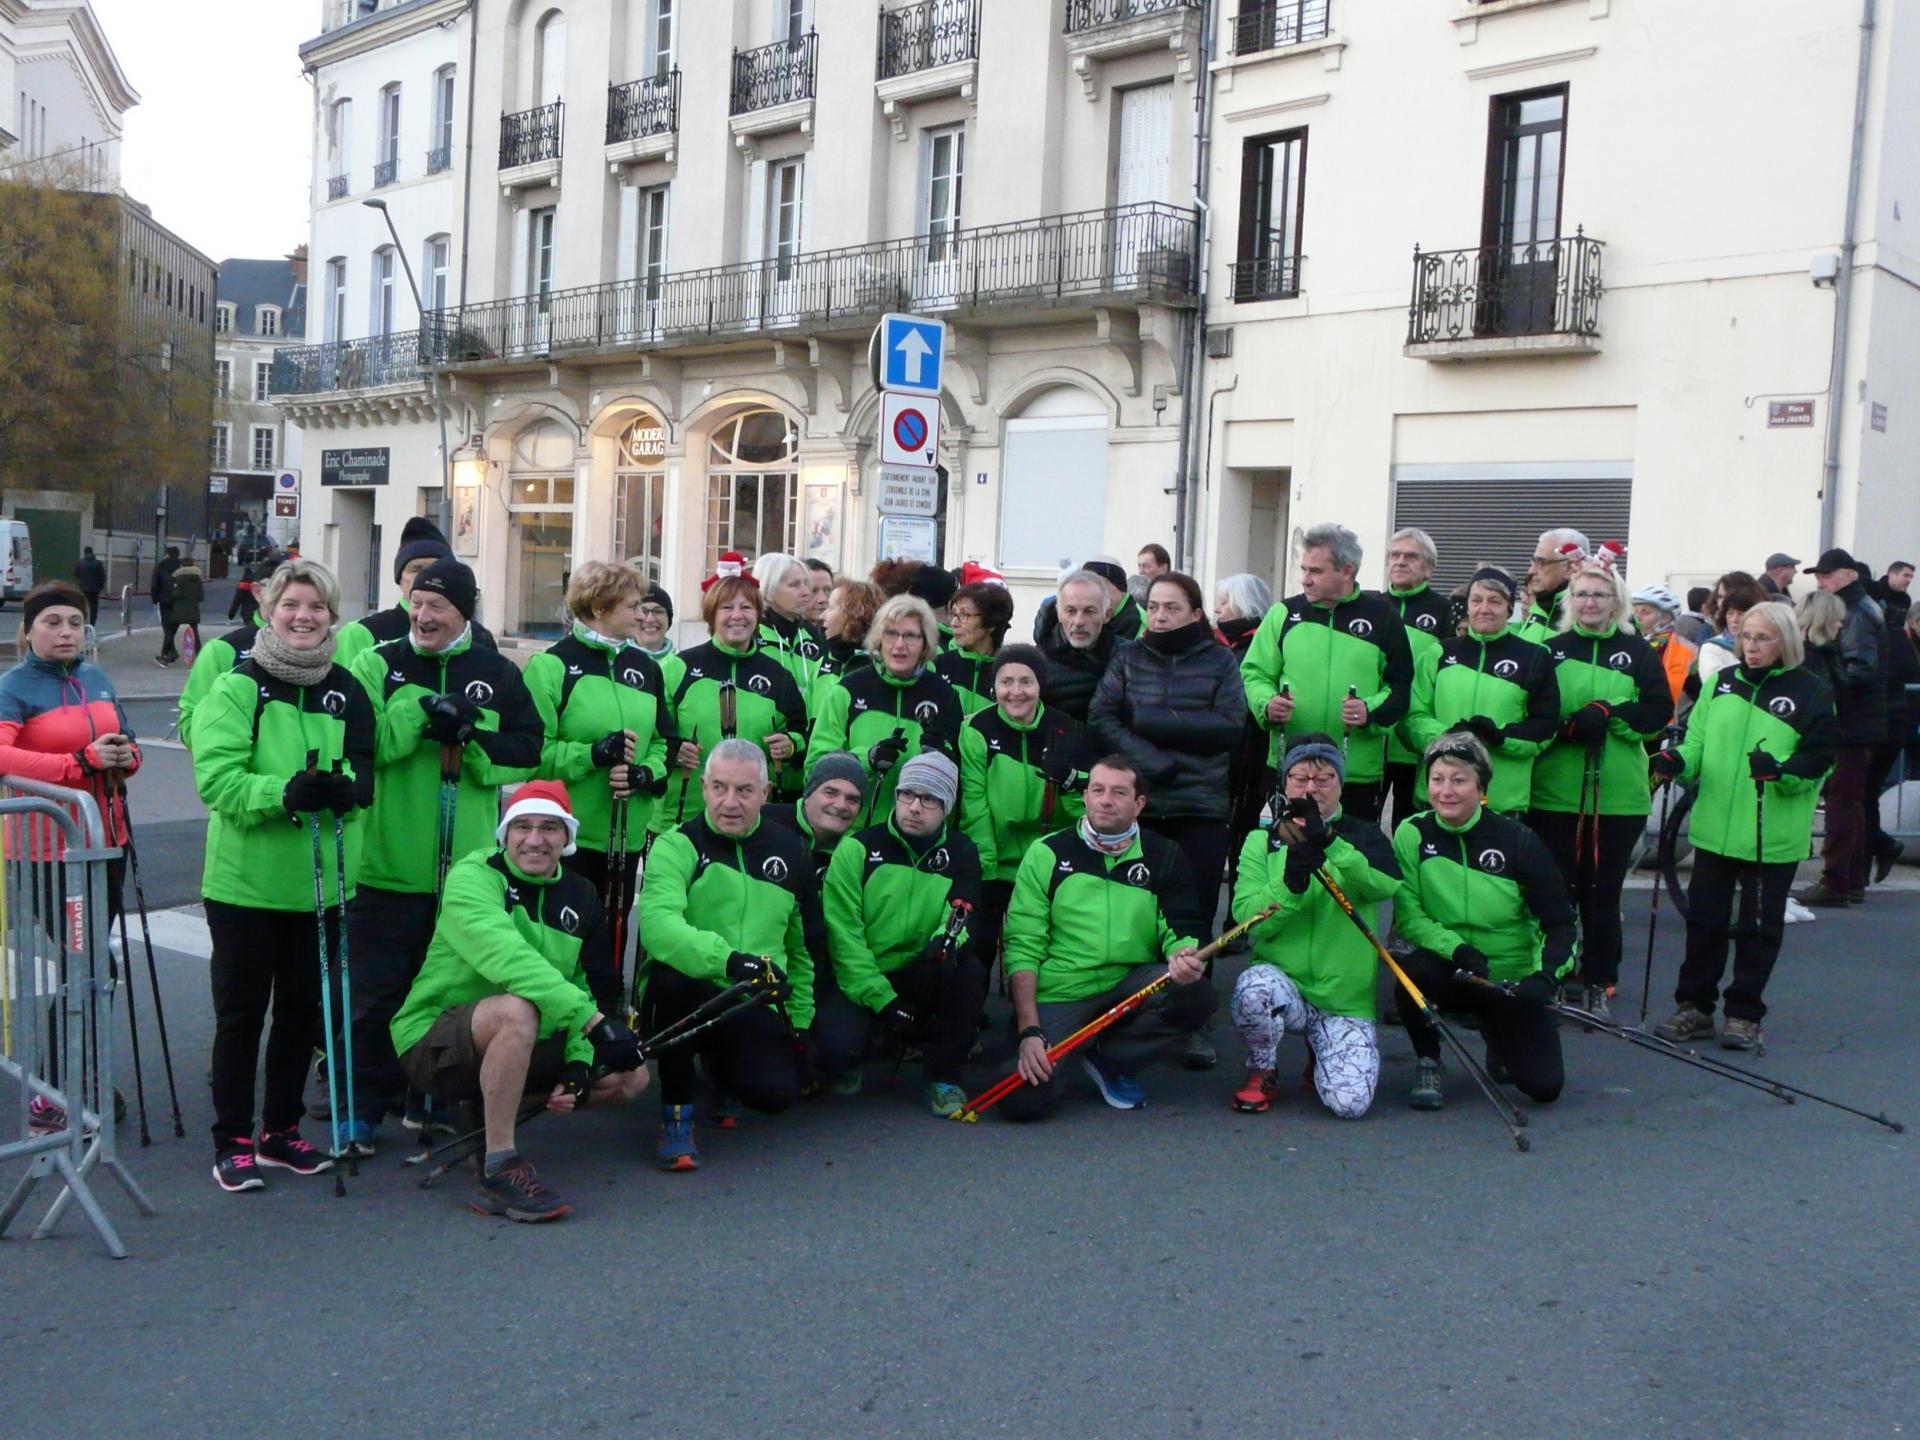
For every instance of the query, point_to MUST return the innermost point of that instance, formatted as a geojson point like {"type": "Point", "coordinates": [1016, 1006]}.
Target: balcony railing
{"type": "Point", "coordinates": [1274, 275]}
{"type": "Point", "coordinates": [641, 108]}
{"type": "Point", "coordinates": [774, 74]}
{"type": "Point", "coordinates": [928, 35]}
{"type": "Point", "coordinates": [347, 364]}
{"type": "Point", "coordinates": [530, 136]}
{"type": "Point", "coordinates": [1144, 251]}
{"type": "Point", "coordinates": [1092, 14]}
{"type": "Point", "coordinates": [440, 158]}
{"type": "Point", "coordinates": [1276, 24]}
{"type": "Point", "coordinates": [336, 187]}
{"type": "Point", "coordinates": [1551, 287]}
{"type": "Point", "coordinates": [385, 172]}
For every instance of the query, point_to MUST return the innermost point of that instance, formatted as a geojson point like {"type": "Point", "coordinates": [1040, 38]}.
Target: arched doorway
{"type": "Point", "coordinates": [753, 485]}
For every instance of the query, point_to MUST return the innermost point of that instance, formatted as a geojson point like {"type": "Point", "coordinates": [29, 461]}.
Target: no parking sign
{"type": "Point", "coordinates": [909, 431]}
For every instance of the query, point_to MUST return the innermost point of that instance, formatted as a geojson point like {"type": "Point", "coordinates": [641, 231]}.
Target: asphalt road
{"type": "Point", "coordinates": [1677, 1256]}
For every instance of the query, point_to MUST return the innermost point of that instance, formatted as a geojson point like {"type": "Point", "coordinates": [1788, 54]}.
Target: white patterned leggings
{"type": "Point", "coordinates": [1346, 1054]}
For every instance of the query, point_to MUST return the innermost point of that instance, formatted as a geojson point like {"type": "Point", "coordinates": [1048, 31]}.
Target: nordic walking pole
{"type": "Point", "coordinates": [987, 1099]}
{"type": "Point", "coordinates": [449, 811]}
{"type": "Point", "coordinates": [1653, 914]}
{"type": "Point", "coordinates": [1353, 693]}
{"type": "Point", "coordinates": [346, 983]}
{"type": "Point", "coordinates": [133, 1029]}
{"type": "Point", "coordinates": [1510, 1114]}
{"type": "Point", "coordinates": [153, 970]}
{"type": "Point", "coordinates": [326, 985]}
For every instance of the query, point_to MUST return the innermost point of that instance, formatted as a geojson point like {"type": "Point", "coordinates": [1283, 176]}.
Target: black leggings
{"type": "Point", "coordinates": [1204, 843]}
{"type": "Point", "coordinates": [606, 972]}
{"type": "Point", "coordinates": [262, 957]}
{"type": "Point", "coordinates": [1755, 928]}
{"type": "Point", "coordinates": [1594, 886]}
{"type": "Point", "coordinates": [753, 1056]}
{"type": "Point", "coordinates": [388, 932]}
{"type": "Point", "coordinates": [989, 922]}
{"type": "Point", "coordinates": [1522, 1035]}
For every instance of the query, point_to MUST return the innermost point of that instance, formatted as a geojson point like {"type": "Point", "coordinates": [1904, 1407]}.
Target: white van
{"type": "Point", "coordinates": [16, 554]}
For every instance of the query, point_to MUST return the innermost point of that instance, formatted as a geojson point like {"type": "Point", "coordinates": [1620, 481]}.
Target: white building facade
{"type": "Point", "coordinates": [63, 96]}
{"type": "Point", "coordinates": [260, 309]}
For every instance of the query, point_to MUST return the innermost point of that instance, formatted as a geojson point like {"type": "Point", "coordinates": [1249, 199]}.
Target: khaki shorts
{"type": "Point", "coordinates": [445, 1063]}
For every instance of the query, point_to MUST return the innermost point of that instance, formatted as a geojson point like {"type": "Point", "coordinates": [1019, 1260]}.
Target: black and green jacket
{"type": "Point", "coordinates": [501, 932]}
{"type": "Point", "coordinates": [1081, 920]}
{"type": "Point", "coordinates": [1428, 619]}
{"type": "Point", "coordinates": [798, 643]}
{"type": "Point", "coordinates": [1491, 885]}
{"type": "Point", "coordinates": [253, 734]}
{"type": "Point", "coordinates": [360, 636]}
{"type": "Point", "coordinates": [1319, 653]}
{"type": "Point", "coordinates": [886, 896]}
{"type": "Point", "coordinates": [764, 699]}
{"type": "Point", "coordinates": [971, 675]}
{"type": "Point", "coordinates": [868, 705]}
{"type": "Point", "coordinates": [794, 817]}
{"type": "Point", "coordinates": [706, 895]}
{"type": "Point", "coordinates": [1309, 936]}
{"type": "Point", "coordinates": [1508, 679]}
{"type": "Point", "coordinates": [403, 840]}
{"type": "Point", "coordinates": [1790, 715]}
{"type": "Point", "coordinates": [1542, 622]}
{"type": "Point", "coordinates": [1129, 621]}
{"type": "Point", "coordinates": [1622, 670]}
{"type": "Point", "coordinates": [585, 690]}
{"type": "Point", "coordinates": [216, 658]}
{"type": "Point", "coordinates": [1006, 800]}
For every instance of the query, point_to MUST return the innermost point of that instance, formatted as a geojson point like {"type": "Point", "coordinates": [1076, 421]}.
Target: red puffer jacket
{"type": "Point", "coordinates": [50, 715]}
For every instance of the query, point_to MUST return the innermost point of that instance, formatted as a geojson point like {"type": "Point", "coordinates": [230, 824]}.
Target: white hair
{"type": "Point", "coordinates": [770, 570]}
{"type": "Point", "coordinates": [1422, 540]}
{"type": "Point", "coordinates": [744, 751]}
{"type": "Point", "coordinates": [1247, 594]}
{"type": "Point", "coordinates": [1566, 536]}
{"type": "Point", "coordinates": [1082, 577]}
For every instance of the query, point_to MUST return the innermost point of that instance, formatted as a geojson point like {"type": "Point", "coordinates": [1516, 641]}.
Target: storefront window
{"type": "Point", "coordinates": [640, 494]}
{"type": "Point", "coordinates": [753, 486]}
{"type": "Point", "coordinates": [540, 531]}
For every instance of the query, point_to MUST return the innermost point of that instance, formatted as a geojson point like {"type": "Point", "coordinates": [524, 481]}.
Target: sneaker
{"type": "Point", "coordinates": [1122, 1092]}
{"type": "Point", "coordinates": [1429, 1088]}
{"type": "Point", "coordinates": [1740, 1034]}
{"type": "Point", "coordinates": [1256, 1095]}
{"type": "Point", "coordinates": [1884, 862]}
{"type": "Point", "coordinates": [319, 1099]}
{"type": "Point", "coordinates": [1689, 1022]}
{"type": "Point", "coordinates": [285, 1150]}
{"type": "Point", "coordinates": [945, 1101]}
{"type": "Point", "coordinates": [677, 1149]}
{"type": "Point", "coordinates": [847, 1084]}
{"type": "Point", "coordinates": [724, 1113]}
{"type": "Point", "coordinates": [515, 1191]}
{"type": "Point", "coordinates": [1597, 998]}
{"type": "Point", "coordinates": [356, 1141]}
{"type": "Point", "coordinates": [1822, 894]}
{"type": "Point", "coordinates": [44, 1117]}
{"type": "Point", "coordinates": [1497, 1068]}
{"type": "Point", "coordinates": [234, 1170]}
{"type": "Point", "coordinates": [1200, 1054]}
{"type": "Point", "coordinates": [1798, 914]}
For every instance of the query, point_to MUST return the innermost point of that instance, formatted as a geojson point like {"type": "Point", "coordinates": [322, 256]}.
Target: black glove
{"type": "Point", "coordinates": [307, 793]}
{"type": "Point", "coordinates": [1536, 989]}
{"type": "Point", "coordinates": [341, 799]}
{"type": "Point", "coordinates": [615, 1047]}
{"type": "Point", "coordinates": [610, 752]}
{"type": "Point", "coordinates": [742, 966]}
{"type": "Point", "coordinates": [1311, 823]}
{"type": "Point", "coordinates": [1588, 725]}
{"type": "Point", "coordinates": [1667, 765]}
{"type": "Point", "coordinates": [897, 1017]}
{"type": "Point", "coordinates": [447, 720]}
{"type": "Point", "coordinates": [1057, 765]}
{"type": "Point", "coordinates": [1302, 861]}
{"type": "Point", "coordinates": [1472, 959]}
{"type": "Point", "coordinates": [884, 756]}
{"type": "Point", "coordinates": [645, 782]}
{"type": "Point", "coordinates": [1482, 729]}
{"type": "Point", "coordinates": [577, 1080]}
{"type": "Point", "coordinates": [1762, 766]}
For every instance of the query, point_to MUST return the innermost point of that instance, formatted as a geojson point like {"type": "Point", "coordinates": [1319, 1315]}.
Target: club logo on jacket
{"type": "Point", "coordinates": [760, 684]}
{"type": "Point", "coordinates": [1424, 621]}
{"type": "Point", "coordinates": [1493, 861]}
{"type": "Point", "coordinates": [1783, 706]}
{"type": "Point", "coordinates": [939, 860]}
{"type": "Point", "coordinates": [1506, 669]}
{"type": "Point", "coordinates": [925, 711]}
{"type": "Point", "coordinates": [1139, 874]}
{"type": "Point", "coordinates": [1295, 616]}
{"type": "Point", "coordinates": [632, 677]}
{"type": "Point", "coordinates": [334, 702]}
{"type": "Point", "coordinates": [774, 869]}
{"type": "Point", "coordinates": [1620, 660]}
{"type": "Point", "coordinates": [569, 920]}
{"type": "Point", "coordinates": [479, 691]}
{"type": "Point", "coordinates": [1362, 628]}
{"type": "Point", "coordinates": [240, 657]}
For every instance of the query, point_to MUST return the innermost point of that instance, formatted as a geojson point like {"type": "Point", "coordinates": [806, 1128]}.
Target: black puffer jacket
{"type": "Point", "coordinates": [1861, 699]}
{"type": "Point", "coordinates": [1173, 703]}
{"type": "Point", "coordinates": [1073, 675]}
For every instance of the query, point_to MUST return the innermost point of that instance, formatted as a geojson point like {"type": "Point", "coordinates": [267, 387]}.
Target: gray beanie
{"type": "Point", "coordinates": [835, 765]}
{"type": "Point", "coordinates": [931, 773]}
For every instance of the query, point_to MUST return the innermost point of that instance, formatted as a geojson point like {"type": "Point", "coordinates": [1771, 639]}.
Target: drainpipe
{"type": "Point", "coordinates": [466, 177]}
{"type": "Point", "coordinates": [1193, 360]}
{"type": "Point", "coordinates": [1843, 290]}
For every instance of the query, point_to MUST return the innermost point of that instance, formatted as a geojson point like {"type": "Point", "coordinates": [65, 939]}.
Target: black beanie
{"type": "Point", "coordinates": [1027, 655]}
{"type": "Point", "coordinates": [449, 578]}
{"type": "Point", "coordinates": [933, 585]}
{"type": "Point", "coordinates": [419, 537]}
{"type": "Point", "coordinates": [657, 595]}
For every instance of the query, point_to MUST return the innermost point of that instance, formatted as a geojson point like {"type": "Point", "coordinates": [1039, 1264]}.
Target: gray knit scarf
{"type": "Point", "coordinates": [296, 667]}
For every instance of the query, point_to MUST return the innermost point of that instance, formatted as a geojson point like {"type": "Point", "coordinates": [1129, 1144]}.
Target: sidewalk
{"type": "Point", "coordinates": [128, 658]}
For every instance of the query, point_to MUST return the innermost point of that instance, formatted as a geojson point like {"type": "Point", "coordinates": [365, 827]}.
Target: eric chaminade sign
{"type": "Point", "coordinates": [354, 467]}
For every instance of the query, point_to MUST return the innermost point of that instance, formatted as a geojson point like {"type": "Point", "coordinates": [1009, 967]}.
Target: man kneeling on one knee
{"type": "Point", "coordinates": [501, 1006]}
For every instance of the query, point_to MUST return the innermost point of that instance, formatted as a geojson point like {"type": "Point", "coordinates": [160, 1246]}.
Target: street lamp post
{"type": "Point", "coordinates": [433, 373]}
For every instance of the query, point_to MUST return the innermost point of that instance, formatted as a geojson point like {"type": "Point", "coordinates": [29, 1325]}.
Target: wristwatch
{"type": "Point", "coordinates": [1034, 1032]}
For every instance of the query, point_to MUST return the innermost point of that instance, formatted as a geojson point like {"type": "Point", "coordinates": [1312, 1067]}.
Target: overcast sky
{"type": "Point", "coordinates": [219, 143]}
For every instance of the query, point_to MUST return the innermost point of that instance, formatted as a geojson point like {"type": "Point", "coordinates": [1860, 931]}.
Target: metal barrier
{"type": "Point", "coordinates": [56, 1002]}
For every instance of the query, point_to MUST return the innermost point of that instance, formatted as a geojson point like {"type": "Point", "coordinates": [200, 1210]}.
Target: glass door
{"type": "Point", "coordinates": [943, 172]}
{"type": "Point", "coordinates": [1520, 251]}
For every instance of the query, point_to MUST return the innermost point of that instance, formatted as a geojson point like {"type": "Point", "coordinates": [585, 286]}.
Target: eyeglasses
{"type": "Point", "coordinates": [958, 614]}
{"type": "Point", "coordinates": [919, 801]}
{"type": "Point", "coordinates": [1324, 780]}
{"type": "Point", "coordinates": [1606, 595]}
{"type": "Point", "coordinates": [903, 637]}
{"type": "Point", "coordinates": [1550, 560]}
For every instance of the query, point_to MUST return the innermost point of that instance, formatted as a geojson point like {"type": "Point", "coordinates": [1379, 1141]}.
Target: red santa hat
{"type": "Point", "coordinates": [974, 573]}
{"type": "Point", "coordinates": [541, 797]}
{"type": "Point", "coordinates": [732, 565]}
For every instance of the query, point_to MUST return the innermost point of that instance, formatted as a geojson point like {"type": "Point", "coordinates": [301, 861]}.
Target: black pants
{"type": "Point", "coordinates": [1847, 851]}
{"type": "Point", "coordinates": [388, 932]}
{"type": "Point", "coordinates": [1522, 1035]}
{"type": "Point", "coordinates": [1204, 843]}
{"type": "Point", "coordinates": [944, 999]}
{"type": "Point", "coordinates": [1364, 799]}
{"type": "Point", "coordinates": [263, 957]}
{"type": "Point", "coordinates": [1717, 887]}
{"type": "Point", "coordinates": [1886, 755]}
{"type": "Point", "coordinates": [1400, 787]}
{"type": "Point", "coordinates": [606, 972]}
{"type": "Point", "coordinates": [1594, 883]}
{"type": "Point", "coordinates": [169, 629]}
{"type": "Point", "coordinates": [93, 606]}
{"type": "Point", "coordinates": [752, 1057]}
{"type": "Point", "coordinates": [989, 922]}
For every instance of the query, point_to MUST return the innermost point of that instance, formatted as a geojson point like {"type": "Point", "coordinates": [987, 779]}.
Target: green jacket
{"type": "Point", "coordinates": [1428, 618]}
{"type": "Point", "coordinates": [886, 896]}
{"type": "Point", "coordinates": [216, 658]}
{"type": "Point", "coordinates": [584, 691]}
{"type": "Point", "coordinates": [1129, 622]}
{"type": "Point", "coordinates": [403, 840]}
{"type": "Point", "coordinates": [868, 705]}
{"type": "Point", "coordinates": [668, 811]}
{"type": "Point", "coordinates": [1081, 920]}
{"type": "Point", "coordinates": [1787, 713]}
{"type": "Point", "coordinates": [359, 636]}
{"type": "Point", "coordinates": [754, 689]}
{"type": "Point", "coordinates": [798, 645]}
{"type": "Point", "coordinates": [504, 933]}
{"type": "Point", "coordinates": [839, 657]}
{"type": "Point", "coordinates": [1309, 936]}
{"type": "Point", "coordinates": [1621, 670]}
{"type": "Point", "coordinates": [1006, 801]}
{"type": "Point", "coordinates": [971, 675]}
{"type": "Point", "coordinates": [1319, 653]}
{"type": "Point", "coordinates": [1491, 885]}
{"type": "Point", "coordinates": [1509, 680]}
{"type": "Point", "coordinates": [253, 734]}
{"type": "Point", "coordinates": [706, 895]}
{"type": "Point", "coordinates": [1542, 622]}
{"type": "Point", "coordinates": [794, 817]}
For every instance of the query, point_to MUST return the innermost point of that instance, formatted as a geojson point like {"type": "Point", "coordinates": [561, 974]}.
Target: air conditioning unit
{"type": "Point", "coordinates": [1220, 344]}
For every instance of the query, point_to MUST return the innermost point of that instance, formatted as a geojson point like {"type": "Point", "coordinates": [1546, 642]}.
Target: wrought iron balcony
{"type": "Point", "coordinates": [928, 35]}
{"type": "Point", "coordinates": [775, 74]}
{"type": "Point", "coordinates": [641, 108]}
{"type": "Point", "coordinates": [530, 136]}
{"type": "Point", "coordinates": [1276, 24]}
{"type": "Point", "coordinates": [1549, 288]}
{"type": "Point", "coordinates": [347, 364]}
{"type": "Point", "coordinates": [1272, 274]}
{"type": "Point", "coordinates": [385, 172]}
{"type": "Point", "coordinates": [1092, 14]}
{"type": "Point", "coordinates": [440, 158]}
{"type": "Point", "coordinates": [1139, 252]}
{"type": "Point", "coordinates": [336, 187]}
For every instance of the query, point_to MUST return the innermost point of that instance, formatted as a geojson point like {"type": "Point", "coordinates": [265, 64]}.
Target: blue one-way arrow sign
{"type": "Point", "coordinates": [907, 354]}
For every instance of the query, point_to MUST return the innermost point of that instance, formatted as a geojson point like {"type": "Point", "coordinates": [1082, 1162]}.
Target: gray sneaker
{"type": "Point", "coordinates": [1740, 1034]}
{"type": "Point", "coordinates": [1429, 1090]}
{"type": "Point", "coordinates": [1689, 1022]}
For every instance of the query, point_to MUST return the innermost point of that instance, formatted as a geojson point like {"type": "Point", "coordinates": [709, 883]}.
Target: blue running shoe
{"type": "Point", "coordinates": [677, 1150]}
{"type": "Point", "coordinates": [1122, 1092]}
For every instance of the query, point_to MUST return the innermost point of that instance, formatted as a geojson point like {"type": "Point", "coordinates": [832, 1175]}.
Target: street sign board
{"type": "Point", "coordinates": [1789, 414]}
{"type": "Point", "coordinates": [913, 491]}
{"type": "Point", "coordinates": [909, 431]}
{"type": "Point", "coordinates": [906, 354]}
{"type": "Point", "coordinates": [286, 482]}
{"type": "Point", "coordinates": [366, 466]}
{"type": "Point", "coordinates": [286, 507]}
{"type": "Point", "coordinates": [909, 537]}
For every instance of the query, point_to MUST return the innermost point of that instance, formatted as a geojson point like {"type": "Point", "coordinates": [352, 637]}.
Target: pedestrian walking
{"type": "Point", "coordinates": [160, 591]}
{"type": "Point", "coordinates": [185, 593]}
{"type": "Point", "coordinates": [91, 578]}
{"type": "Point", "coordinates": [1860, 706]}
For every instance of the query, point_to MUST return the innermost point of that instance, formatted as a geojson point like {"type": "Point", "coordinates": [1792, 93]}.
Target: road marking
{"type": "Point", "coordinates": [183, 931]}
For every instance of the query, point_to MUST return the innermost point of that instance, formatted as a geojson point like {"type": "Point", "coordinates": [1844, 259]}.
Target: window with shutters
{"type": "Point", "coordinates": [1492, 514]}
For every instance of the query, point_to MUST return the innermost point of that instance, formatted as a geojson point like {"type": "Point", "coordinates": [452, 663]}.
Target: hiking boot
{"type": "Point", "coordinates": [1256, 1095]}
{"type": "Point", "coordinates": [285, 1150]}
{"type": "Point", "coordinates": [846, 1084]}
{"type": "Point", "coordinates": [945, 1101]}
{"type": "Point", "coordinates": [515, 1191]}
{"type": "Point", "coordinates": [356, 1141]}
{"type": "Point", "coordinates": [724, 1112]}
{"type": "Point", "coordinates": [1740, 1034]}
{"type": "Point", "coordinates": [1200, 1054]}
{"type": "Point", "coordinates": [1822, 894]}
{"type": "Point", "coordinates": [677, 1149]}
{"type": "Point", "coordinates": [1429, 1088]}
{"type": "Point", "coordinates": [1497, 1068]}
{"type": "Point", "coordinates": [1689, 1022]}
{"type": "Point", "coordinates": [1120, 1091]}
{"type": "Point", "coordinates": [234, 1170]}
{"type": "Point", "coordinates": [1597, 998]}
